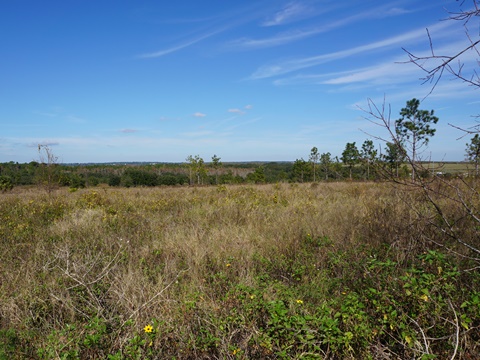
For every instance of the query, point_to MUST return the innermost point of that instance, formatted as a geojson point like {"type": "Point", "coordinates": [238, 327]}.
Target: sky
{"type": "Point", "coordinates": [253, 80]}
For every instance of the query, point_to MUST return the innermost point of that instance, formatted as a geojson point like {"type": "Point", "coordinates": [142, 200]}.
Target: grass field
{"type": "Point", "coordinates": [284, 271]}
{"type": "Point", "coordinates": [451, 167]}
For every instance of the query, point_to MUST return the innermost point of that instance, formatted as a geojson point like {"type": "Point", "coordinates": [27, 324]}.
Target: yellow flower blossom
{"type": "Point", "coordinates": [148, 328]}
{"type": "Point", "coordinates": [299, 301]}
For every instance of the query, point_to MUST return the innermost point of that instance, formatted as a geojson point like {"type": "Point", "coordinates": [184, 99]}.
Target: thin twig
{"type": "Point", "coordinates": [423, 335]}
{"type": "Point", "coordinates": [457, 330]}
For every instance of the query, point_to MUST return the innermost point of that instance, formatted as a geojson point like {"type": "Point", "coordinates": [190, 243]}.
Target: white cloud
{"type": "Point", "coordinates": [230, 128]}
{"type": "Point", "coordinates": [178, 47]}
{"type": "Point", "coordinates": [294, 35]}
{"type": "Point", "coordinates": [298, 64]}
{"type": "Point", "coordinates": [279, 39]}
{"type": "Point", "coordinates": [386, 73]}
{"type": "Point", "coordinates": [299, 34]}
{"type": "Point", "coordinates": [199, 114]}
{"type": "Point", "coordinates": [291, 12]}
{"type": "Point", "coordinates": [397, 11]}
{"type": "Point", "coordinates": [236, 111]}
{"type": "Point", "coordinates": [248, 107]}
{"type": "Point", "coordinates": [128, 131]}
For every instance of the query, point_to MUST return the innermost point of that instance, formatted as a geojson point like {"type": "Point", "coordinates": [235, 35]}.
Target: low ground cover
{"type": "Point", "coordinates": [311, 271]}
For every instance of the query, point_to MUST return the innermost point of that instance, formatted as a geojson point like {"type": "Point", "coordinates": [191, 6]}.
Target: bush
{"type": "Point", "coordinates": [6, 183]}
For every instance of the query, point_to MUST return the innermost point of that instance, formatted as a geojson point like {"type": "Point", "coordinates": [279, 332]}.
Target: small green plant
{"type": "Point", "coordinates": [6, 183]}
{"type": "Point", "coordinates": [61, 344]}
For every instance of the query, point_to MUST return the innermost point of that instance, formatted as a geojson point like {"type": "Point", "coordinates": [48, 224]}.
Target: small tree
{"type": "Point", "coordinates": [258, 176]}
{"type": "Point", "coordinates": [473, 151]}
{"type": "Point", "coordinates": [48, 176]}
{"type": "Point", "coordinates": [301, 170]}
{"type": "Point", "coordinates": [326, 163]}
{"type": "Point", "coordinates": [368, 155]}
{"type": "Point", "coordinates": [394, 156]}
{"type": "Point", "coordinates": [191, 164]}
{"type": "Point", "coordinates": [413, 129]}
{"type": "Point", "coordinates": [350, 156]}
{"type": "Point", "coordinates": [216, 164]}
{"type": "Point", "coordinates": [201, 170]}
{"type": "Point", "coordinates": [196, 167]}
{"type": "Point", "coordinates": [314, 156]}
{"type": "Point", "coordinates": [464, 194]}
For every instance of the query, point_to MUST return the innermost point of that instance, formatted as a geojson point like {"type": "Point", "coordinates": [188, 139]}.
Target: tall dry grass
{"type": "Point", "coordinates": [127, 256]}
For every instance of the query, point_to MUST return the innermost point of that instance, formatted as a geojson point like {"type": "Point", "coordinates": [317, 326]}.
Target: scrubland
{"type": "Point", "coordinates": [285, 271]}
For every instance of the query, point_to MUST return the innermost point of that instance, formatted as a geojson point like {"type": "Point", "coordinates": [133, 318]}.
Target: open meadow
{"type": "Point", "coordinates": [281, 271]}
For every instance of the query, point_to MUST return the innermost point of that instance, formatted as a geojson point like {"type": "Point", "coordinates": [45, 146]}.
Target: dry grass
{"type": "Point", "coordinates": [128, 256]}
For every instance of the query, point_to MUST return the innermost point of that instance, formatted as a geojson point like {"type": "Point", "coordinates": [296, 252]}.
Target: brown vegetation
{"type": "Point", "coordinates": [82, 273]}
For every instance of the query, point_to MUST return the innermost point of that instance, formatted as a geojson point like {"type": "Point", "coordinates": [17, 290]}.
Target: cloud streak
{"type": "Point", "coordinates": [297, 34]}
{"type": "Point", "coordinates": [298, 64]}
{"type": "Point", "coordinates": [236, 111]}
{"type": "Point", "coordinates": [291, 12]}
{"type": "Point", "coordinates": [179, 47]}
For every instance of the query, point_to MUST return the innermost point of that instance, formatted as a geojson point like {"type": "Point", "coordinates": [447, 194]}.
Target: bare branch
{"type": "Point", "coordinates": [457, 327]}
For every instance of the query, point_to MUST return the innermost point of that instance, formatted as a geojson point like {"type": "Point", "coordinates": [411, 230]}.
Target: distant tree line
{"type": "Point", "coordinates": [412, 131]}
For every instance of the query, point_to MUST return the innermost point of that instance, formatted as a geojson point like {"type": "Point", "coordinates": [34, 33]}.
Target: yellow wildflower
{"type": "Point", "coordinates": [148, 328]}
{"type": "Point", "coordinates": [424, 297]}
{"type": "Point", "coordinates": [299, 301]}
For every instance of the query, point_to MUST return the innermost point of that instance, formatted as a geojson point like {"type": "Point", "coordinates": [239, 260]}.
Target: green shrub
{"type": "Point", "coordinates": [6, 183]}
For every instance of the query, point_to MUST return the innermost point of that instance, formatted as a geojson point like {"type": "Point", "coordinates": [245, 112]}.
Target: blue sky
{"type": "Point", "coordinates": [104, 81]}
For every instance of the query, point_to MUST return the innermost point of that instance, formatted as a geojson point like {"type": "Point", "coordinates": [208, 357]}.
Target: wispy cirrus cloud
{"type": "Point", "coordinates": [299, 34]}
{"type": "Point", "coordinates": [390, 72]}
{"type": "Point", "coordinates": [128, 131]}
{"type": "Point", "coordinates": [250, 121]}
{"type": "Point", "coordinates": [199, 114]}
{"type": "Point", "coordinates": [279, 39]}
{"type": "Point", "coordinates": [302, 63]}
{"type": "Point", "coordinates": [180, 46]}
{"type": "Point", "coordinates": [240, 111]}
{"type": "Point", "coordinates": [236, 111]}
{"type": "Point", "coordinates": [59, 113]}
{"type": "Point", "coordinates": [290, 12]}
{"type": "Point", "coordinates": [399, 70]}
